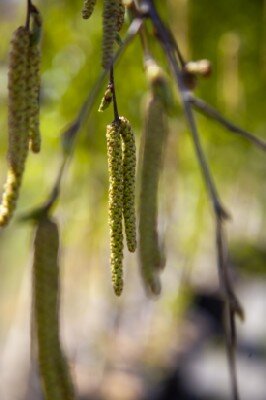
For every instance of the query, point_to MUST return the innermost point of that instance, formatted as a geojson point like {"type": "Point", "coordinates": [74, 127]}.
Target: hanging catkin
{"type": "Point", "coordinates": [55, 379]}
{"type": "Point", "coordinates": [34, 82]}
{"type": "Point", "coordinates": [88, 7]}
{"type": "Point", "coordinates": [115, 169]}
{"type": "Point", "coordinates": [129, 168]}
{"type": "Point", "coordinates": [120, 15]}
{"type": "Point", "coordinates": [151, 257]}
{"type": "Point", "coordinates": [110, 8]}
{"type": "Point", "coordinates": [18, 121]}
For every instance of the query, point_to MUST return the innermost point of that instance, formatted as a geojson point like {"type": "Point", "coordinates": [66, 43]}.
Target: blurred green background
{"type": "Point", "coordinates": [128, 348]}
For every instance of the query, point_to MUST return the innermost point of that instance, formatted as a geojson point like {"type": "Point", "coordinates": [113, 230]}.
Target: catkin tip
{"type": "Point", "coordinates": [88, 7]}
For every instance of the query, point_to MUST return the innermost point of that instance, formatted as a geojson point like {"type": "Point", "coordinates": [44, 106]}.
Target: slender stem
{"type": "Point", "coordinates": [112, 84]}
{"type": "Point", "coordinates": [144, 41]}
{"type": "Point", "coordinates": [216, 202]}
{"type": "Point", "coordinates": [209, 111]}
{"type": "Point", "coordinates": [223, 269]}
{"type": "Point", "coordinates": [29, 6]}
{"type": "Point", "coordinates": [231, 335]}
{"type": "Point", "coordinates": [230, 299]}
{"type": "Point", "coordinates": [164, 33]}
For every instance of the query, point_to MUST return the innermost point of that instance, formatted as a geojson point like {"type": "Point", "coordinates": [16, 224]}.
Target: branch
{"type": "Point", "coordinates": [231, 335]}
{"type": "Point", "coordinates": [209, 111]}
{"type": "Point", "coordinates": [231, 301]}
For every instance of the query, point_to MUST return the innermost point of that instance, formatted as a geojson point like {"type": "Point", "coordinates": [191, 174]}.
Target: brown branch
{"type": "Point", "coordinates": [209, 111]}
{"type": "Point", "coordinates": [231, 301]}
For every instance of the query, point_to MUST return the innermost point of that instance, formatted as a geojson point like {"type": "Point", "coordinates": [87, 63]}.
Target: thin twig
{"type": "Point", "coordinates": [112, 84]}
{"type": "Point", "coordinates": [29, 7]}
{"type": "Point", "coordinates": [220, 214]}
{"type": "Point", "coordinates": [223, 268]}
{"type": "Point", "coordinates": [209, 111]}
{"type": "Point", "coordinates": [231, 339]}
{"type": "Point", "coordinates": [216, 202]}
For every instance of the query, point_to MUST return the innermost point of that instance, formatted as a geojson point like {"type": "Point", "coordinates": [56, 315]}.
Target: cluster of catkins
{"type": "Point", "coordinates": [121, 152]}
{"type": "Point", "coordinates": [56, 381]}
{"type": "Point", "coordinates": [122, 161]}
{"type": "Point", "coordinates": [113, 19]}
{"type": "Point", "coordinates": [23, 108]}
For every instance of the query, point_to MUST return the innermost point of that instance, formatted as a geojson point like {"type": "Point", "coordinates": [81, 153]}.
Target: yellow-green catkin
{"type": "Point", "coordinates": [151, 256]}
{"type": "Point", "coordinates": [88, 7]}
{"type": "Point", "coordinates": [18, 121]}
{"type": "Point", "coordinates": [34, 83]}
{"type": "Point", "coordinates": [120, 15]}
{"type": "Point", "coordinates": [129, 178]}
{"type": "Point", "coordinates": [54, 375]}
{"type": "Point", "coordinates": [113, 18]}
{"type": "Point", "coordinates": [115, 214]}
{"type": "Point", "coordinates": [107, 99]}
{"type": "Point", "coordinates": [109, 31]}
{"type": "Point", "coordinates": [34, 94]}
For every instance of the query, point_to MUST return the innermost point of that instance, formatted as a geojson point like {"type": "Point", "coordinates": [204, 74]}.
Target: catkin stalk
{"type": "Point", "coordinates": [151, 257]}
{"type": "Point", "coordinates": [115, 169]}
{"type": "Point", "coordinates": [18, 121]}
{"type": "Point", "coordinates": [129, 172]}
{"type": "Point", "coordinates": [55, 378]}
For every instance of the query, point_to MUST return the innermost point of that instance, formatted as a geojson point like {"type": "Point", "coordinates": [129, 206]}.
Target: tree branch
{"type": "Point", "coordinates": [209, 111]}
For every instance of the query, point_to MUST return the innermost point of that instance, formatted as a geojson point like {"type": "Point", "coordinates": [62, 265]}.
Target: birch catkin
{"type": "Point", "coordinates": [88, 7]}
{"type": "Point", "coordinates": [34, 94]}
{"type": "Point", "coordinates": [129, 167]}
{"type": "Point", "coordinates": [120, 15]}
{"type": "Point", "coordinates": [151, 257]}
{"type": "Point", "coordinates": [34, 82]}
{"type": "Point", "coordinates": [55, 378]}
{"type": "Point", "coordinates": [110, 8]}
{"type": "Point", "coordinates": [115, 168]}
{"type": "Point", "coordinates": [18, 121]}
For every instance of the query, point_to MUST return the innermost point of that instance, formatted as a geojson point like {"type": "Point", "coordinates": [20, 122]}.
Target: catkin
{"type": "Point", "coordinates": [54, 374]}
{"type": "Point", "coordinates": [151, 257]}
{"type": "Point", "coordinates": [34, 81]}
{"type": "Point", "coordinates": [113, 18]}
{"type": "Point", "coordinates": [88, 7]}
{"type": "Point", "coordinates": [115, 169]}
{"type": "Point", "coordinates": [34, 94]}
{"type": "Point", "coordinates": [18, 121]}
{"type": "Point", "coordinates": [120, 15]}
{"type": "Point", "coordinates": [129, 168]}
{"type": "Point", "coordinates": [109, 31]}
